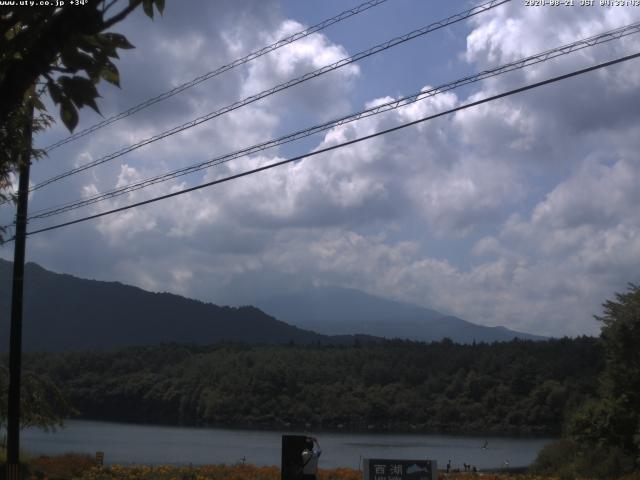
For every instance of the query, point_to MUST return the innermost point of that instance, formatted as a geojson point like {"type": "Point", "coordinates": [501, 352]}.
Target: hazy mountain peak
{"type": "Point", "coordinates": [63, 312]}
{"type": "Point", "coordinates": [336, 310]}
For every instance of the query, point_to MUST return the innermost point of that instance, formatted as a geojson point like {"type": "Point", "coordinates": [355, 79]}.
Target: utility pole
{"type": "Point", "coordinates": [15, 338]}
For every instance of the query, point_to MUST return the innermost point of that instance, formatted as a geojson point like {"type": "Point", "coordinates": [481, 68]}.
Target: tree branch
{"type": "Point", "coordinates": [121, 15]}
{"type": "Point", "coordinates": [107, 7]}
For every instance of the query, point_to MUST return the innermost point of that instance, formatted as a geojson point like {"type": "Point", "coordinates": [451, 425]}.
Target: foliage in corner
{"type": "Point", "coordinates": [12, 132]}
{"type": "Point", "coordinates": [612, 421]}
{"type": "Point", "coordinates": [566, 460]}
{"type": "Point", "coordinates": [66, 48]}
{"type": "Point", "coordinates": [63, 51]}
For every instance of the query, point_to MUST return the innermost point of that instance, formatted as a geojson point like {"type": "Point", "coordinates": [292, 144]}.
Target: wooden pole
{"type": "Point", "coordinates": [15, 338]}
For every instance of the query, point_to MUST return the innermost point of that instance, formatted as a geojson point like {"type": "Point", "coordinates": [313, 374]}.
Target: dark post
{"type": "Point", "coordinates": [299, 457]}
{"type": "Point", "coordinates": [15, 338]}
{"type": "Point", "coordinates": [292, 464]}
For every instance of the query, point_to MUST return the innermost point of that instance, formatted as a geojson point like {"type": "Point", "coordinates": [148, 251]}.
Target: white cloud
{"type": "Point", "coordinates": [323, 97]}
{"type": "Point", "coordinates": [597, 194]}
{"type": "Point", "coordinates": [541, 188]}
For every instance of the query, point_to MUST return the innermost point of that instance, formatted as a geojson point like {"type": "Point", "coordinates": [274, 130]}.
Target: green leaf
{"type": "Point", "coordinates": [106, 45]}
{"type": "Point", "coordinates": [118, 41]}
{"type": "Point", "coordinates": [147, 6]}
{"type": "Point", "coordinates": [12, 32]}
{"type": "Point", "coordinates": [55, 91]}
{"type": "Point", "coordinates": [110, 73]}
{"type": "Point", "coordinates": [69, 114]}
{"type": "Point", "coordinates": [89, 43]}
{"type": "Point", "coordinates": [76, 60]}
{"type": "Point", "coordinates": [160, 6]}
{"type": "Point", "coordinates": [80, 90]}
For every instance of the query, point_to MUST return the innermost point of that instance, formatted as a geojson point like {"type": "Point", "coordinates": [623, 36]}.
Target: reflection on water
{"type": "Point", "coordinates": [406, 445]}
{"type": "Point", "coordinates": [146, 444]}
{"type": "Point", "coordinates": [389, 445]}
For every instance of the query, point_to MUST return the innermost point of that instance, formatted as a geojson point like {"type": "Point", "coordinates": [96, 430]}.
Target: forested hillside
{"type": "Point", "coordinates": [519, 386]}
{"type": "Point", "coordinates": [66, 313]}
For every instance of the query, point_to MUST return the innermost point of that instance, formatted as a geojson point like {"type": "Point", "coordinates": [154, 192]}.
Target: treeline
{"type": "Point", "coordinates": [512, 387]}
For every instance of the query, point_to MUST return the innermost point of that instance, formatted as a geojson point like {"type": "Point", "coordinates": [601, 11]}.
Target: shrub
{"type": "Point", "coordinates": [567, 460]}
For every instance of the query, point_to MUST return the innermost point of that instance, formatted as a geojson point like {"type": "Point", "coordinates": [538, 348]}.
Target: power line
{"type": "Point", "coordinates": [214, 73]}
{"type": "Point", "coordinates": [283, 86]}
{"type": "Point", "coordinates": [388, 106]}
{"type": "Point", "coordinates": [340, 145]}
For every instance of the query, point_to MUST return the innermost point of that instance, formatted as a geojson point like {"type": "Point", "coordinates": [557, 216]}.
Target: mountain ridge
{"type": "Point", "coordinates": [63, 312]}
{"type": "Point", "coordinates": [338, 310]}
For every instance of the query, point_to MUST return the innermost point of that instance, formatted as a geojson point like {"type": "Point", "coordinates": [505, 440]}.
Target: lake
{"type": "Point", "coordinates": [146, 444]}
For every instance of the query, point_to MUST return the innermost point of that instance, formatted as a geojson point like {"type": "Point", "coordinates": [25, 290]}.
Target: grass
{"type": "Point", "coordinates": [83, 467]}
{"type": "Point", "coordinates": [23, 455]}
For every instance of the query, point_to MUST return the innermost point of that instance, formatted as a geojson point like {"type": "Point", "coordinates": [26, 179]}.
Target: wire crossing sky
{"type": "Point", "coordinates": [392, 105]}
{"type": "Point", "coordinates": [224, 68]}
{"type": "Point", "coordinates": [282, 86]}
{"type": "Point", "coordinates": [340, 145]}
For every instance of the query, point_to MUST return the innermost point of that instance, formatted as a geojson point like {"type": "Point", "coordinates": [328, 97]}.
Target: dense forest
{"type": "Point", "coordinates": [515, 387]}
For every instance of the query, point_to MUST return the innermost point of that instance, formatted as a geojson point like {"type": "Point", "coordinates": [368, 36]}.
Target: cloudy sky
{"type": "Point", "coordinates": [521, 212]}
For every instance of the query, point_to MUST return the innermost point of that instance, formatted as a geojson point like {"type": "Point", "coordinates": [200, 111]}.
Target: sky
{"type": "Point", "coordinates": [520, 212]}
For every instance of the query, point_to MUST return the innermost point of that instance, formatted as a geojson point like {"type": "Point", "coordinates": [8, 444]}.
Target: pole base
{"type": "Point", "coordinates": [13, 471]}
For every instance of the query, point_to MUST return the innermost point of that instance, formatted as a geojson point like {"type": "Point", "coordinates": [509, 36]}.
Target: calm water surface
{"type": "Point", "coordinates": [145, 444]}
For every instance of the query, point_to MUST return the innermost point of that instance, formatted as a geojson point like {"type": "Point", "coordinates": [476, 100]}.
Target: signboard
{"type": "Point", "coordinates": [387, 469]}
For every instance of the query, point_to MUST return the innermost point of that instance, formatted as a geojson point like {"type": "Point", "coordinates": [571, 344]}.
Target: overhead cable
{"type": "Point", "coordinates": [288, 84]}
{"type": "Point", "coordinates": [384, 107]}
{"type": "Point", "coordinates": [214, 73]}
{"type": "Point", "coordinates": [340, 145]}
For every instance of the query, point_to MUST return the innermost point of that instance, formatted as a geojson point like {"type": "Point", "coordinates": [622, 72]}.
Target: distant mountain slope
{"type": "Point", "coordinates": [63, 312]}
{"type": "Point", "coordinates": [333, 310]}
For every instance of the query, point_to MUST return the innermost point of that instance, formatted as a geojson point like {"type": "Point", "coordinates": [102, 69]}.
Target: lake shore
{"type": "Point", "coordinates": [397, 428]}
{"type": "Point", "coordinates": [128, 444]}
